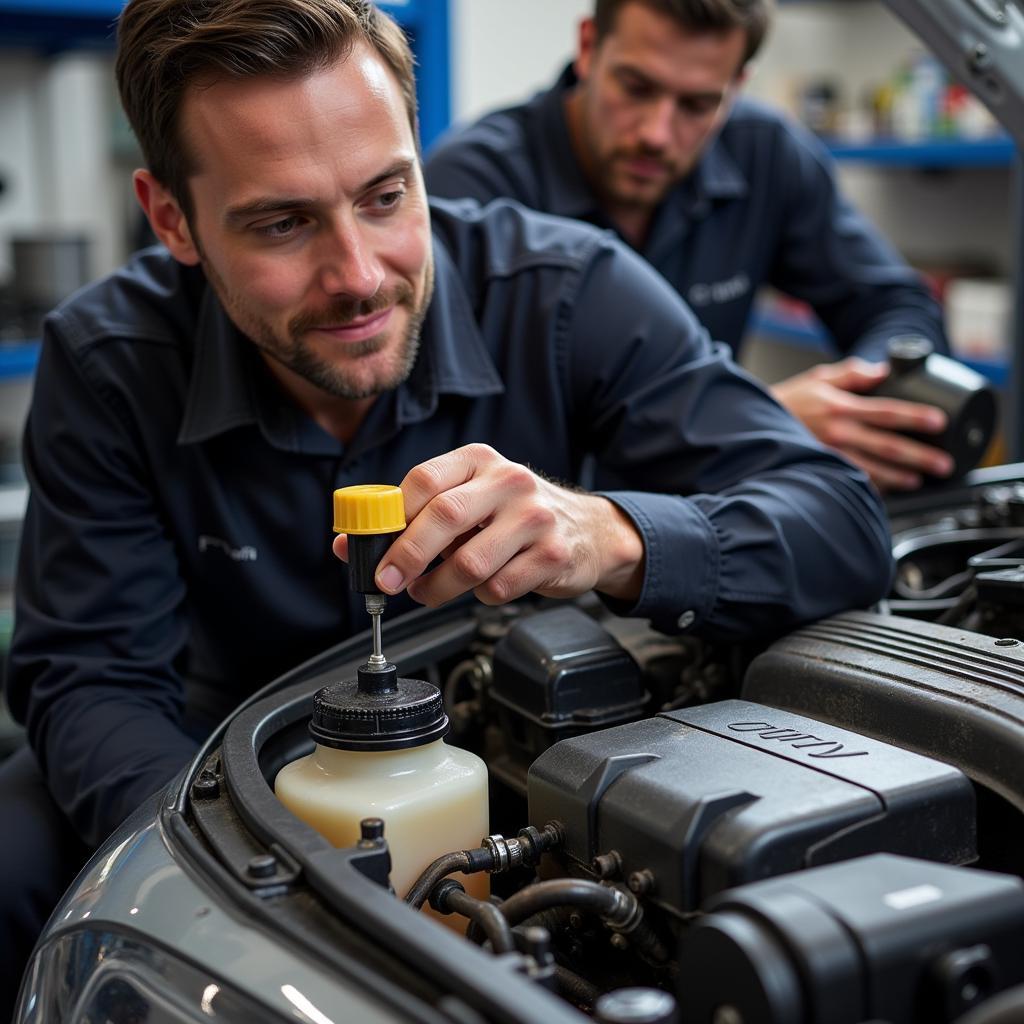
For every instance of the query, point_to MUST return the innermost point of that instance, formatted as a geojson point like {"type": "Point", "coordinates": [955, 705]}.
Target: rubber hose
{"type": "Point", "coordinates": [487, 916]}
{"type": "Point", "coordinates": [560, 892]}
{"type": "Point", "coordinates": [577, 892]}
{"type": "Point", "coordinates": [444, 865]}
{"type": "Point", "coordinates": [575, 989]}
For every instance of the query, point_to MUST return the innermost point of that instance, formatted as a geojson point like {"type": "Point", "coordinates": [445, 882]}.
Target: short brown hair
{"type": "Point", "coordinates": [753, 16]}
{"type": "Point", "coordinates": [165, 46]}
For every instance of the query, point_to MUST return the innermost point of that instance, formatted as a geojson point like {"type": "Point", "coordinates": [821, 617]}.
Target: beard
{"type": "Point", "coordinates": [354, 377]}
{"type": "Point", "coordinates": [619, 186]}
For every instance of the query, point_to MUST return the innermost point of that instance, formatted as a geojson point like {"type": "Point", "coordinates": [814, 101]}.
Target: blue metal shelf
{"type": "Point", "coordinates": [807, 334]}
{"type": "Point", "coordinates": [998, 151]}
{"type": "Point", "coordinates": [18, 359]}
{"type": "Point", "coordinates": [795, 330]}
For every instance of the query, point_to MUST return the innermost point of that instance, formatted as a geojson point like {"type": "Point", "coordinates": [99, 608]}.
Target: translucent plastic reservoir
{"type": "Point", "coordinates": [432, 799]}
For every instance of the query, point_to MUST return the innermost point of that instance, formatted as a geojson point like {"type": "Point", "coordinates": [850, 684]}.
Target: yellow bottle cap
{"type": "Point", "coordinates": [369, 508]}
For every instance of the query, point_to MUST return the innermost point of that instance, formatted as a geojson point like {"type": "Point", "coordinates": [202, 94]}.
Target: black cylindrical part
{"type": "Point", "coordinates": [378, 711]}
{"type": "Point", "coordinates": [365, 550]}
{"type": "Point", "coordinates": [919, 374]}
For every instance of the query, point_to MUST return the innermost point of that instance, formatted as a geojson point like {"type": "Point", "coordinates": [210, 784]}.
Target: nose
{"type": "Point", "coordinates": [658, 122]}
{"type": "Point", "coordinates": [350, 266]}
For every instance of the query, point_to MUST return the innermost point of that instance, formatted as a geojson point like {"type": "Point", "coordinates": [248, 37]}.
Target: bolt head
{"type": "Point", "coordinates": [263, 865]}
{"type": "Point", "coordinates": [371, 828]}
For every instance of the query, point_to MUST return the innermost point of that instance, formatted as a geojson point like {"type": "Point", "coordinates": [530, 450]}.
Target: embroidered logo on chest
{"type": "Point", "coordinates": [706, 293]}
{"type": "Point", "coordinates": [242, 554]}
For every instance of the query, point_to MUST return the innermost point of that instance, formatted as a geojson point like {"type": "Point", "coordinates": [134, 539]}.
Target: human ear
{"type": "Point", "coordinates": [166, 217]}
{"type": "Point", "coordinates": [586, 45]}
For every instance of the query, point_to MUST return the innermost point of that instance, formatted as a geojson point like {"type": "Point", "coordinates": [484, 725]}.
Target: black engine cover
{"type": "Point", "coordinates": [944, 692]}
{"type": "Point", "coordinates": [708, 798]}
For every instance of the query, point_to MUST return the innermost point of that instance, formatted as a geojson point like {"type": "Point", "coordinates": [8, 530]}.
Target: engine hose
{"type": "Point", "coordinates": [466, 861]}
{"type": "Point", "coordinates": [554, 919]}
{"type": "Point", "coordinates": [617, 908]}
{"type": "Point", "coordinates": [450, 898]}
{"type": "Point", "coordinates": [496, 853]}
{"type": "Point", "coordinates": [575, 989]}
{"type": "Point", "coordinates": [474, 932]}
{"type": "Point", "coordinates": [606, 902]}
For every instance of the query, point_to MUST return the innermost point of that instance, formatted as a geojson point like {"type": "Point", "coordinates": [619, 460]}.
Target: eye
{"type": "Point", "coordinates": [283, 228]}
{"type": "Point", "coordinates": [636, 88]}
{"type": "Point", "coordinates": [389, 200]}
{"type": "Point", "coordinates": [701, 107]}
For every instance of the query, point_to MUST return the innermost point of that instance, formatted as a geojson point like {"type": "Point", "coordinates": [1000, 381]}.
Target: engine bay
{"type": "Point", "coordinates": [825, 831]}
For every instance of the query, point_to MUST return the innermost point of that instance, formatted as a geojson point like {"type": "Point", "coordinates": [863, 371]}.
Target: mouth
{"type": "Point", "coordinates": [646, 168]}
{"type": "Point", "coordinates": [359, 329]}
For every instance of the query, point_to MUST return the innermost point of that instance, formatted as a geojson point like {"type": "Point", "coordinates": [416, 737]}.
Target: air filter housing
{"type": "Point", "coordinates": [712, 797]}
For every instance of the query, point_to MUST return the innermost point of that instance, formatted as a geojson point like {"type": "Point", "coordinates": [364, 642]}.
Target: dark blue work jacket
{"type": "Point", "coordinates": [761, 207]}
{"type": "Point", "coordinates": [179, 524]}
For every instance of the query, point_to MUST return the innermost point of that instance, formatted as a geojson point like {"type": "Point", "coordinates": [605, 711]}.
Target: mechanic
{"type": "Point", "coordinates": [645, 133]}
{"type": "Point", "coordinates": [309, 323]}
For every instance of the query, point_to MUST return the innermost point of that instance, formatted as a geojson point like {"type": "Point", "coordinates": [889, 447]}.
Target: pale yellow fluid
{"type": "Point", "coordinates": [432, 799]}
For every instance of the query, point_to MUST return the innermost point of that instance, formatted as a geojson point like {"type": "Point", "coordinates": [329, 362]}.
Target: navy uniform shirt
{"type": "Point", "coordinates": [179, 524]}
{"type": "Point", "coordinates": [760, 207]}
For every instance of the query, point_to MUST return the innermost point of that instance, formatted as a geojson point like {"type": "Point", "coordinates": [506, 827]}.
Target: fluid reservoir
{"type": "Point", "coordinates": [380, 753]}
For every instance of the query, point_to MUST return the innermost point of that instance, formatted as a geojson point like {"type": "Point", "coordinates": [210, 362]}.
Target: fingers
{"type": "Point", "coordinates": [435, 476]}
{"type": "Point", "coordinates": [884, 476]}
{"type": "Point", "coordinates": [827, 409]}
{"type": "Point", "coordinates": [497, 565]}
{"type": "Point", "coordinates": [851, 374]}
{"type": "Point", "coordinates": [452, 498]}
{"type": "Point", "coordinates": [503, 531]}
{"type": "Point", "coordinates": [898, 452]}
{"type": "Point", "coordinates": [892, 413]}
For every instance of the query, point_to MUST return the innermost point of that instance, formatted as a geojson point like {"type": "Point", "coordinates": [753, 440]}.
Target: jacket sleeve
{"type": "Point", "coordinates": [750, 525]}
{"type": "Point", "coordinates": [488, 160]}
{"type": "Point", "coordinates": [99, 620]}
{"type": "Point", "coordinates": [834, 259]}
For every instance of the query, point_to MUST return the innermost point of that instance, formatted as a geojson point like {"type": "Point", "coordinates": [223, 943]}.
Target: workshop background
{"type": "Point", "coordinates": [915, 152]}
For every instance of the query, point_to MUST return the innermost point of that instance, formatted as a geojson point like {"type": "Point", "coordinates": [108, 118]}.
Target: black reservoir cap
{"type": "Point", "coordinates": [378, 711]}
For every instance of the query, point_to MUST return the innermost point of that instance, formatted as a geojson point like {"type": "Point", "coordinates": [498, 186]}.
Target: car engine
{"type": "Point", "coordinates": [825, 831]}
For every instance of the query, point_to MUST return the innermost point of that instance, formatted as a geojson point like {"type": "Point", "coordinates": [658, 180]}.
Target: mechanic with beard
{"type": "Point", "coordinates": [310, 323]}
{"type": "Point", "coordinates": [644, 134]}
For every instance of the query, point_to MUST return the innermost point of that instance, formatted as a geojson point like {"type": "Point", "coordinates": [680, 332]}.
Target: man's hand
{"type": "Point", "coordinates": [502, 531]}
{"type": "Point", "coordinates": [862, 427]}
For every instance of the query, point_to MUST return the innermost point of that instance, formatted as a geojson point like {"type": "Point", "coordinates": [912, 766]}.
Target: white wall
{"type": "Point", "coordinates": [504, 50]}
{"type": "Point", "coordinates": [56, 119]}
{"type": "Point", "coordinates": [21, 200]}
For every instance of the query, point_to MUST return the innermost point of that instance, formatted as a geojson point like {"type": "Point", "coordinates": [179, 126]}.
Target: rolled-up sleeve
{"type": "Point", "coordinates": [750, 525]}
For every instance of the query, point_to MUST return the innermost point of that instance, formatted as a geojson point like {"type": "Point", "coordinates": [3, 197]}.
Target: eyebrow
{"type": "Point", "coordinates": [703, 94]}
{"type": "Point", "coordinates": [274, 204]}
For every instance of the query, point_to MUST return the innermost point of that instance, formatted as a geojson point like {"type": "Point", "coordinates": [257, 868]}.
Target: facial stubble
{"type": "Point", "coordinates": [296, 354]}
